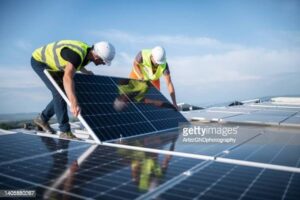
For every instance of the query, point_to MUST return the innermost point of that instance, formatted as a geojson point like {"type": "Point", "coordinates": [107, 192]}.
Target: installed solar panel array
{"type": "Point", "coordinates": [119, 107]}
{"type": "Point", "coordinates": [262, 164]}
{"type": "Point", "coordinates": [58, 169]}
{"type": "Point", "coordinates": [266, 113]}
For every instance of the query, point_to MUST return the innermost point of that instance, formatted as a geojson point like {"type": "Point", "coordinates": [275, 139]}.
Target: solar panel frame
{"type": "Point", "coordinates": [29, 147]}
{"type": "Point", "coordinates": [91, 132]}
{"type": "Point", "coordinates": [112, 125]}
{"type": "Point", "coordinates": [11, 174]}
{"type": "Point", "coordinates": [258, 175]}
{"type": "Point", "coordinates": [89, 115]}
{"type": "Point", "coordinates": [97, 165]}
{"type": "Point", "coordinates": [270, 142]}
{"type": "Point", "coordinates": [163, 141]}
{"type": "Point", "coordinates": [156, 114]}
{"type": "Point", "coordinates": [222, 181]}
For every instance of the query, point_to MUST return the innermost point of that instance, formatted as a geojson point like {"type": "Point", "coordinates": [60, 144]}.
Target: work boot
{"type": "Point", "coordinates": [43, 125]}
{"type": "Point", "coordinates": [67, 135]}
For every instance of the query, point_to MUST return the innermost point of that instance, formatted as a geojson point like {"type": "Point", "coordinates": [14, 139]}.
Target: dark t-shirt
{"type": "Point", "coordinates": [139, 59]}
{"type": "Point", "coordinates": [73, 57]}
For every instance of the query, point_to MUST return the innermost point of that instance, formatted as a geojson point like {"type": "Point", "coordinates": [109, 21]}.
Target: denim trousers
{"type": "Point", "coordinates": [57, 105]}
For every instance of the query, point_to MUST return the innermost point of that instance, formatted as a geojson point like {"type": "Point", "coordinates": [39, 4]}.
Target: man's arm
{"type": "Point", "coordinates": [171, 89]}
{"type": "Point", "coordinates": [69, 88]}
{"type": "Point", "coordinates": [85, 71]}
{"type": "Point", "coordinates": [136, 65]}
{"type": "Point", "coordinates": [138, 71]}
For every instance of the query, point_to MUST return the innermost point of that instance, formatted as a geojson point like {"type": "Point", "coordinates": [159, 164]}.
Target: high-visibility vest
{"type": "Point", "coordinates": [50, 54]}
{"type": "Point", "coordinates": [146, 67]}
{"type": "Point", "coordinates": [134, 89]}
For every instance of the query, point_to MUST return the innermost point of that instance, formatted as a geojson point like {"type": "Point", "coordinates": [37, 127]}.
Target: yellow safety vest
{"type": "Point", "coordinates": [146, 67]}
{"type": "Point", "coordinates": [135, 89]}
{"type": "Point", "coordinates": [50, 54]}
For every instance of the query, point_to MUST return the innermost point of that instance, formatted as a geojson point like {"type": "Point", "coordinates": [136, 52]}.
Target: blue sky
{"type": "Point", "coordinates": [217, 50]}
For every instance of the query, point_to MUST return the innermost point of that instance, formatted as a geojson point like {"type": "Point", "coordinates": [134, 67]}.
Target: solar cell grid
{"type": "Point", "coordinates": [222, 181]}
{"type": "Point", "coordinates": [18, 146]}
{"type": "Point", "coordinates": [104, 172]}
{"type": "Point", "coordinates": [58, 168]}
{"type": "Point", "coordinates": [107, 172]}
{"type": "Point", "coordinates": [120, 107]}
{"type": "Point", "coordinates": [165, 139]}
{"type": "Point", "coordinates": [269, 143]}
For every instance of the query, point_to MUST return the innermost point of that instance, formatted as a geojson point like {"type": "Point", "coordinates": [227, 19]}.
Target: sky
{"type": "Point", "coordinates": [218, 51]}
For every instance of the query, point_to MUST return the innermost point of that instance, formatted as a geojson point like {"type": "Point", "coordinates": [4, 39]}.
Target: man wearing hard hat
{"type": "Point", "coordinates": [150, 65]}
{"type": "Point", "coordinates": [68, 56]}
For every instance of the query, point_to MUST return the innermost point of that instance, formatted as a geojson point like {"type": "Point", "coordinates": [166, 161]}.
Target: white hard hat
{"type": "Point", "coordinates": [119, 105]}
{"type": "Point", "coordinates": [159, 55]}
{"type": "Point", "coordinates": [105, 51]}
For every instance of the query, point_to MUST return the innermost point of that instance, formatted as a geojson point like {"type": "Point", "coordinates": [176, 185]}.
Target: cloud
{"type": "Point", "coordinates": [234, 66]}
{"type": "Point", "coordinates": [243, 65]}
{"type": "Point", "coordinates": [16, 77]}
{"type": "Point", "coordinates": [182, 40]}
{"type": "Point", "coordinates": [226, 76]}
{"type": "Point", "coordinates": [23, 45]}
{"type": "Point", "coordinates": [21, 90]}
{"type": "Point", "coordinates": [280, 38]}
{"type": "Point", "coordinates": [23, 99]}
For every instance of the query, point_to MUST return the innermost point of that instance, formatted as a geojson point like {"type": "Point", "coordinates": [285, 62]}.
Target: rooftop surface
{"type": "Point", "coordinates": [276, 112]}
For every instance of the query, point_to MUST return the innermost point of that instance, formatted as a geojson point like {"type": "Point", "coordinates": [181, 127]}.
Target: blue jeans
{"type": "Point", "coordinates": [57, 105]}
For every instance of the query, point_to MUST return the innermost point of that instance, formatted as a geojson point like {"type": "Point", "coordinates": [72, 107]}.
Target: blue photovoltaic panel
{"type": "Point", "coordinates": [19, 146]}
{"type": "Point", "coordinates": [115, 107]}
{"type": "Point", "coordinates": [273, 146]}
{"type": "Point", "coordinates": [176, 139]}
{"type": "Point", "coordinates": [119, 107]}
{"type": "Point", "coordinates": [224, 181]}
{"type": "Point", "coordinates": [58, 169]}
{"type": "Point", "coordinates": [96, 96]}
{"type": "Point", "coordinates": [154, 106]}
{"type": "Point", "coordinates": [92, 171]}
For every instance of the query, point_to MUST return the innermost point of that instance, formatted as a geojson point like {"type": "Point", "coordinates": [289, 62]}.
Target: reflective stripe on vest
{"type": "Point", "coordinates": [146, 67]}
{"type": "Point", "coordinates": [50, 54]}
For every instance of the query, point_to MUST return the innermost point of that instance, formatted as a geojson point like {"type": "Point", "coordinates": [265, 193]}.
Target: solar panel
{"type": "Point", "coordinates": [117, 107]}
{"type": "Point", "coordinates": [155, 107]}
{"type": "Point", "coordinates": [92, 171]}
{"type": "Point", "coordinates": [260, 113]}
{"type": "Point", "coordinates": [292, 121]}
{"type": "Point", "coordinates": [80, 170]}
{"type": "Point", "coordinates": [175, 138]}
{"type": "Point", "coordinates": [223, 181]}
{"type": "Point", "coordinates": [285, 145]}
{"type": "Point", "coordinates": [15, 147]}
{"type": "Point", "coordinates": [263, 164]}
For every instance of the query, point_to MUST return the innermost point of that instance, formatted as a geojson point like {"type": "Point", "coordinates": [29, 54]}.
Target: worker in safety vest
{"type": "Point", "coordinates": [136, 91]}
{"type": "Point", "coordinates": [151, 64]}
{"type": "Point", "coordinates": [68, 56]}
